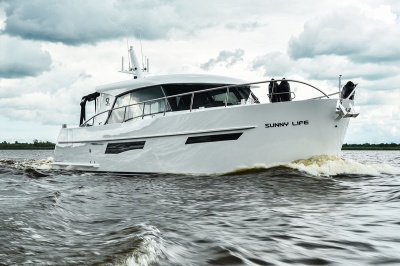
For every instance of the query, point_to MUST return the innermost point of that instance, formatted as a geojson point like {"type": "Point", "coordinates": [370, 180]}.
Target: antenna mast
{"type": "Point", "coordinates": [127, 48]}
{"type": "Point", "coordinates": [134, 67]}
{"type": "Point", "coordinates": [141, 49]}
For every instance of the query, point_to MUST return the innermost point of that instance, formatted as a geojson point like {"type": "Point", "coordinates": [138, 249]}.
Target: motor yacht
{"type": "Point", "coordinates": [201, 124]}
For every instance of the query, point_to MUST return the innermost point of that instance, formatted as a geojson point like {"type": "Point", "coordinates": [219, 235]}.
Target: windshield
{"type": "Point", "coordinates": [129, 105]}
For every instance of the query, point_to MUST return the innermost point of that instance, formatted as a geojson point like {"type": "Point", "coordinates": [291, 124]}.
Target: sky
{"type": "Point", "coordinates": [54, 52]}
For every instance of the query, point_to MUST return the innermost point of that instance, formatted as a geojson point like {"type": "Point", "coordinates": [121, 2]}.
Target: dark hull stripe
{"type": "Point", "coordinates": [213, 138]}
{"type": "Point", "coordinates": [119, 147]}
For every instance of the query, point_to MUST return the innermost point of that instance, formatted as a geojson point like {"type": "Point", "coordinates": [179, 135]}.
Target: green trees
{"type": "Point", "coordinates": [41, 145]}
{"type": "Point", "coordinates": [36, 145]}
{"type": "Point", "coordinates": [368, 146]}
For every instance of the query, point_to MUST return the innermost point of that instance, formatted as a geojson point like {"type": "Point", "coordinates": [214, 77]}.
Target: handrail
{"type": "Point", "coordinates": [192, 97]}
{"type": "Point", "coordinates": [319, 97]}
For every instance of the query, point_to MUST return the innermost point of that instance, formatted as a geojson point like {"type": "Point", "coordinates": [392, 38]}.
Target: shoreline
{"type": "Point", "coordinates": [343, 148]}
{"type": "Point", "coordinates": [370, 149]}
{"type": "Point", "coordinates": [27, 149]}
{"type": "Point", "coordinates": [39, 145]}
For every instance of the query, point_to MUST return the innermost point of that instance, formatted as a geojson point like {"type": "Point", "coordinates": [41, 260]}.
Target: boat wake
{"type": "Point", "coordinates": [42, 164]}
{"type": "Point", "coordinates": [149, 249]}
{"type": "Point", "coordinates": [31, 168]}
{"type": "Point", "coordinates": [321, 165]}
{"type": "Point", "coordinates": [325, 165]}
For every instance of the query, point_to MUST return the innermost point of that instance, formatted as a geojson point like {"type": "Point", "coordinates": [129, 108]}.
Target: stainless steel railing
{"type": "Point", "coordinates": [165, 99]}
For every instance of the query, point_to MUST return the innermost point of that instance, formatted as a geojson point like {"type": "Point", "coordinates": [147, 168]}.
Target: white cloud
{"type": "Point", "coordinates": [329, 67]}
{"type": "Point", "coordinates": [22, 58]}
{"type": "Point", "coordinates": [383, 13]}
{"type": "Point", "coordinates": [78, 22]}
{"type": "Point", "coordinates": [226, 58]}
{"type": "Point", "coordinates": [66, 48]}
{"type": "Point", "coordinates": [244, 26]}
{"type": "Point", "coordinates": [396, 113]}
{"type": "Point", "coordinates": [373, 126]}
{"type": "Point", "coordinates": [2, 16]}
{"type": "Point", "coordinates": [361, 36]}
{"type": "Point", "coordinates": [274, 64]}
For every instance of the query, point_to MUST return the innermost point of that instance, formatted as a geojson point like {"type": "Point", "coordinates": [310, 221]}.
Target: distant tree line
{"type": "Point", "coordinates": [368, 146]}
{"type": "Point", "coordinates": [36, 145]}
{"type": "Point", "coordinates": [41, 145]}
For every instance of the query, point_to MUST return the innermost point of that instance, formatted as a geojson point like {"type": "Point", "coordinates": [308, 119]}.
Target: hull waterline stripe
{"type": "Point", "coordinates": [112, 172]}
{"type": "Point", "coordinates": [85, 165]}
{"type": "Point", "coordinates": [213, 138]}
{"type": "Point", "coordinates": [160, 135]}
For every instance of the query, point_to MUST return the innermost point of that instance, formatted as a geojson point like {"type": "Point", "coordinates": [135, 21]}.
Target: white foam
{"type": "Point", "coordinates": [71, 168]}
{"type": "Point", "coordinates": [325, 165]}
{"type": "Point", "coordinates": [150, 251]}
{"type": "Point", "coordinates": [45, 164]}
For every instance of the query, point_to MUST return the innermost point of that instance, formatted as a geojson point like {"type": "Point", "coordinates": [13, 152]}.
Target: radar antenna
{"type": "Point", "coordinates": [134, 67]}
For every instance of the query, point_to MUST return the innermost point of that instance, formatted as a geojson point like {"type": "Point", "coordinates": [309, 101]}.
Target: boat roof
{"type": "Point", "coordinates": [132, 84]}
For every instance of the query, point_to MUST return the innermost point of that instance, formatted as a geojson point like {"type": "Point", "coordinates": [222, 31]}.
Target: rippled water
{"type": "Point", "coordinates": [322, 211]}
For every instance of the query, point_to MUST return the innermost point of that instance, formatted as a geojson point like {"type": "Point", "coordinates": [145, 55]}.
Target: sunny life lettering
{"type": "Point", "coordinates": [285, 124]}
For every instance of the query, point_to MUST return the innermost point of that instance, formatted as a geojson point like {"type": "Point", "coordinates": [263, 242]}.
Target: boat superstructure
{"type": "Point", "coordinates": [201, 124]}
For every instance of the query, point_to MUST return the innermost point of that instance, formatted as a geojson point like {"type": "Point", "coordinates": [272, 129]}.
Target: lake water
{"type": "Point", "coordinates": [322, 211]}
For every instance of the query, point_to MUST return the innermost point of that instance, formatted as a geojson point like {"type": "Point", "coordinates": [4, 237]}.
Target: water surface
{"type": "Point", "coordinates": [322, 211]}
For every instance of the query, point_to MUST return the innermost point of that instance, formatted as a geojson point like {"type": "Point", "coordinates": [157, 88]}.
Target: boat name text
{"type": "Point", "coordinates": [285, 124]}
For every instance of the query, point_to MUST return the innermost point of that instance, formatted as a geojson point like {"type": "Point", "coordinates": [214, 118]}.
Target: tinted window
{"type": "Point", "coordinates": [212, 98]}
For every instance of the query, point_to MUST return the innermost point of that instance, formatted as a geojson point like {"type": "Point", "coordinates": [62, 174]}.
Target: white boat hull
{"type": "Point", "coordinates": [208, 140]}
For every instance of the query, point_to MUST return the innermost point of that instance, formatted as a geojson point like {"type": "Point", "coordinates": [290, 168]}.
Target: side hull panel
{"type": "Point", "coordinates": [207, 141]}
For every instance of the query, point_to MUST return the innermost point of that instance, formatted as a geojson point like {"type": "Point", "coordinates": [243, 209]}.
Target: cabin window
{"type": "Point", "coordinates": [118, 113]}
{"type": "Point", "coordinates": [150, 100]}
{"type": "Point", "coordinates": [138, 103]}
{"type": "Point", "coordinates": [206, 99]}
{"type": "Point", "coordinates": [150, 107]}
